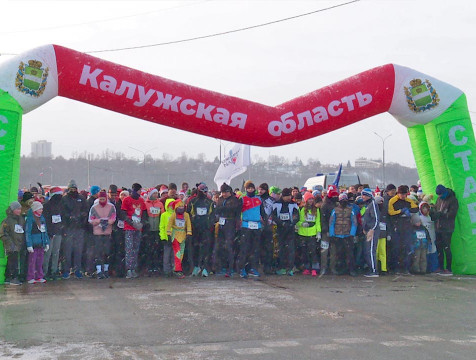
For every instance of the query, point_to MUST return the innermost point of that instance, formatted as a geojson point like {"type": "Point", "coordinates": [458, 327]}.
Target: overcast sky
{"type": "Point", "coordinates": [270, 64]}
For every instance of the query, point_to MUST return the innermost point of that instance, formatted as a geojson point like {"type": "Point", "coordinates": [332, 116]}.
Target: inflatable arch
{"type": "Point", "coordinates": [434, 112]}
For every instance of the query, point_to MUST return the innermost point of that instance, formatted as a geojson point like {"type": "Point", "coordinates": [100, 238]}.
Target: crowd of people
{"type": "Point", "coordinates": [163, 231]}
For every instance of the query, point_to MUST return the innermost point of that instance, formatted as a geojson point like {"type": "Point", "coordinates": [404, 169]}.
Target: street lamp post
{"type": "Point", "coordinates": [383, 154]}
{"type": "Point", "coordinates": [144, 153]}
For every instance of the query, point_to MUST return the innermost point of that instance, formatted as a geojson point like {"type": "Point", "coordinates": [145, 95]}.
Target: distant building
{"type": "Point", "coordinates": [41, 148]}
{"type": "Point", "coordinates": [368, 163]}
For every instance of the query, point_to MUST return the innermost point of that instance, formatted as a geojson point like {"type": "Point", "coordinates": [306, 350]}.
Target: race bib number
{"type": "Point", "coordinates": [383, 226]}
{"type": "Point", "coordinates": [324, 245]}
{"type": "Point", "coordinates": [137, 212]}
{"type": "Point", "coordinates": [19, 229]}
{"type": "Point", "coordinates": [222, 221]}
{"type": "Point", "coordinates": [310, 218]}
{"type": "Point", "coordinates": [155, 211]}
{"type": "Point", "coordinates": [120, 224]}
{"type": "Point", "coordinates": [420, 235]}
{"type": "Point", "coordinates": [55, 219]}
{"type": "Point", "coordinates": [253, 225]}
{"type": "Point", "coordinates": [201, 211]}
{"type": "Point", "coordinates": [180, 223]}
{"type": "Point", "coordinates": [284, 216]}
{"type": "Point", "coordinates": [42, 228]}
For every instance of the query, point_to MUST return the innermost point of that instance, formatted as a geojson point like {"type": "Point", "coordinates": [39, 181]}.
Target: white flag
{"type": "Point", "coordinates": [235, 163]}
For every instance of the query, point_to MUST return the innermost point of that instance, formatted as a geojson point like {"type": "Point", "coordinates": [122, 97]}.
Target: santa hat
{"type": "Point", "coordinates": [56, 191]}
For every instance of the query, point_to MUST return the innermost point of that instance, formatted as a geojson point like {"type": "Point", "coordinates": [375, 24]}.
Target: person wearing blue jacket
{"type": "Point", "coordinates": [342, 229]}
{"type": "Point", "coordinates": [371, 229]}
{"type": "Point", "coordinates": [37, 242]}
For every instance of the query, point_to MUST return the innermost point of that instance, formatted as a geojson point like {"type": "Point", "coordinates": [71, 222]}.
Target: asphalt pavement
{"type": "Point", "coordinates": [272, 317]}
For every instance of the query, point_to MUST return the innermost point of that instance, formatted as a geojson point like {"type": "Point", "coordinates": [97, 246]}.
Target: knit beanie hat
{"type": "Point", "coordinates": [367, 192]}
{"type": "Point", "coordinates": [102, 194]}
{"type": "Point", "coordinates": [307, 196]}
{"type": "Point", "coordinates": [15, 205]}
{"type": "Point", "coordinates": [94, 189]}
{"type": "Point", "coordinates": [36, 206]}
{"type": "Point", "coordinates": [274, 190]}
{"type": "Point", "coordinates": [440, 190]}
{"type": "Point", "coordinates": [225, 188]}
{"type": "Point", "coordinates": [113, 189]}
{"type": "Point", "coordinates": [27, 196]}
{"type": "Point", "coordinates": [203, 187]}
{"type": "Point", "coordinates": [343, 197]}
{"type": "Point", "coordinates": [72, 184]}
{"type": "Point", "coordinates": [136, 187]}
{"type": "Point", "coordinates": [379, 200]}
{"type": "Point", "coordinates": [249, 184]}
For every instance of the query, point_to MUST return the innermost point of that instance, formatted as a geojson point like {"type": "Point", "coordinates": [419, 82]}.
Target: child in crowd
{"type": "Point", "coordinates": [12, 234]}
{"type": "Point", "coordinates": [178, 228]}
{"type": "Point", "coordinates": [37, 242]}
{"type": "Point", "coordinates": [428, 223]}
{"type": "Point", "coordinates": [419, 245]}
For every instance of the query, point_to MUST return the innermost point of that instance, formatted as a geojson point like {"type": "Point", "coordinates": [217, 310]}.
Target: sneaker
{"type": "Point", "coordinates": [32, 281]}
{"type": "Point", "coordinates": [41, 280]}
{"type": "Point", "coordinates": [371, 274]}
{"type": "Point", "coordinates": [281, 272]}
{"type": "Point", "coordinates": [78, 274]}
{"type": "Point", "coordinates": [254, 272]}
{"type": "Point", "coordinates": [129, 274]}
{"type": "Point", "coordinates": [15, 282]}
{"type": "Point", "coordinates": [291, 273]}
{"type": "Point", "coordinates": [106, 274]}
{"type": "Point", "coordinates": [314, 272]}
{"type": "Point", "coordinates": [179, 275]}
{"type": "Point", "coordinates": [134, 274]}
{"type": "Point", "coordinates": [196, 271]}
{"type": "Point", "coordinates": [445, 273]}
{"type": "Point", "coordinates": [406, 273]}
{"type": "Point", "coordinates": [307, 272]}
{"type": "Point", "coordinates": [204, 273]}
{"type": "Point", "coordinates": [243, 274]}
{"type": "Point", "coordinates": [66, 276]}
{"type": "Point", "coordinates": [100, 276]}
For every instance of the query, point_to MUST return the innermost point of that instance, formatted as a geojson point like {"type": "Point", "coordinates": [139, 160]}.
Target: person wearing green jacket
{"type": "Point", "coordinates": [309, 234]}
{"type": "Point", "coordinates": [168, 253]}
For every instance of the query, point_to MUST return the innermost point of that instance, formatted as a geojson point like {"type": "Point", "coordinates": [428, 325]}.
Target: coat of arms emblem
{"type": "Point", "coordinates": [31, 79]}
{"type": "Point", "coordinates": [421, 96]}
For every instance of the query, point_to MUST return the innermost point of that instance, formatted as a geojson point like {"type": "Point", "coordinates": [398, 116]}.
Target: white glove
{"type": "Point", "coordinates": [137, 225]}
{"type": "Point", "coordinates": [305, 224]}
{"type": "Point", "coordinates": [30, 249]}
{"type": "Point", "coordinates": [47, 247]}
{"type": "Point", "coordinates": [389, 237]}
{"type": "Point", "coordinates": [318, 236]}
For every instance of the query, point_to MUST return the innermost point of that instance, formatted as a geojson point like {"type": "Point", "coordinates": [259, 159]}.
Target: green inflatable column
{"type": "Point", "coordinates": [451, 142]}
{"type": "Point", "coordinates": [422, 156]}
{"type": "Point", "coordinates": [10, 142]}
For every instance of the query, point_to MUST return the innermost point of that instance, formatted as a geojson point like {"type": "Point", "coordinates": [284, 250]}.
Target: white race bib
{"type": "Point", "coordinates": [19, 229]}
{"type": "Point", "coordinates": [253, 225]}
{"type": "Point", "coordinates": [201, 211]}
{"type": "Point", "coordinates": [420, 235]}
{"type": "Point", "coordinates": [42, 228]}
{"type": "Point", "coordinates": [324, 245]}
{"type": "Point", "coordinates": [383, 226]}
{"type": "Point", "coordinates": [284, 216]}
{"type": "Point", "coordinates": [310, 218]}
{"type": "Point", "coordinates": [137, 211]}
{"type": "Point", "coordinates": [222, 221]}
{"type": "Point", "coordinates": [55, 219]}
{"type": "Point", "coordinates": [180, 223]}
{"type": "Point", "coordinates": [155, 211]}
{"type": "Point", "coordinates": [120, 224]}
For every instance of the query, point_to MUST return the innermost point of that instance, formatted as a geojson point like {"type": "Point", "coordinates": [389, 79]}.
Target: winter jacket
{"type": "Point", "coordinates": [155, 208]}
{"type": "Point", "coordinates": [429, 224]}
{"type": "Point", "coordinates": [326, 211]}
{"type": "Point", "coordinates": [420, 238]}
{"type": "Point", "coordinates": [36, 237]}
{"type": "Point", "coordinates": [343, 222]}
{"type": "Point", "coordinates": [268, 203]}
{"type": "Point", "coordinates": [371, 218]}
{"type": "Point", "coordinates": [252, 212]}
{"type": "Point", "coordinates": [228, 210]}
{"type": "Point", "coordinates": [201, 211]}
{"type": "Point", "coordinates": [12, 232]}
{"type": "Point", "coordinates": [164, 219]}
{"type": "Point", "coordinates": [446, 210]}
{"type": "Point", "coordinates": [178, 229]}
{"type": "Point", "coordinates": [135, 210]}
{"type": "Point", "coordinates": [52, 211]}
{"type": "Point", "coordinates": [398, 218]}
{"type": "Point", "coordinates": [313, 220]}
{"type": "Point", "coordinates": [74, 211]}
{"type": "Point", "coordinates": [285, 214]}
{"type": "Point", "coordinates": [102, 217]}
